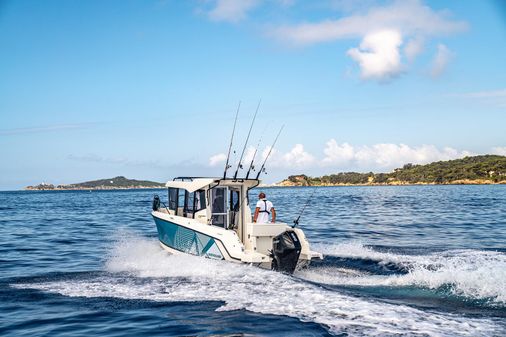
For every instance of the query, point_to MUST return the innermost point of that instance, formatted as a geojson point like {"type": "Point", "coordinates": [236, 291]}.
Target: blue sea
{"type": "Point", "coordinates": [410, 260]}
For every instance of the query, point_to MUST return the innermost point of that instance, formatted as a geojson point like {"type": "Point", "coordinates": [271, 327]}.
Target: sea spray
{"type": "Point", "coordinates": [139, 269]}
{"type": "Point", "coordinates": [475, 274]}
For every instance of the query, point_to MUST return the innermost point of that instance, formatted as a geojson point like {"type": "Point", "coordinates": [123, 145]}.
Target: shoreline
{"type": "Point", "coordinates": [102, 188]}
{"type": "Point", "coordinates": [396, 183]}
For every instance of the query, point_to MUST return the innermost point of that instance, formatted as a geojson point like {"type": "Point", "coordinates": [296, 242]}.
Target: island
{"type": "Point", "coordinates": [484, 169]}
{"type": "Point", "coordinates": [119, 182]}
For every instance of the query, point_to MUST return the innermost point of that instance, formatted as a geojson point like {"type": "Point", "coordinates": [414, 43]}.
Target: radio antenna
{"type": "Point", "coordinates": [262, 169]}
{"type": "Point", "coordinates": [231, 141]}
{"type": "Point", "coordinates": [239, 164]}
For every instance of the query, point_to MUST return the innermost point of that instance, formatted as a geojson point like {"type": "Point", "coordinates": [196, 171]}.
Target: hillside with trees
{"type": "Point", "coordinates": [485, 169]}
{"type": "Point", "coordinates": [102, 184]}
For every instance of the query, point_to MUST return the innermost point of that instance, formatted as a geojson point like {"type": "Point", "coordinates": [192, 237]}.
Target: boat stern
{"type": "Point", "coordinates": [287, 247]}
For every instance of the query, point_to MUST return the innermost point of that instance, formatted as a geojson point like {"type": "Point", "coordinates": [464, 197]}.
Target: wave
{"type": "Point", "coordinates": [475, 274]}
{"type": "Point", "coordinates": [138, 268]}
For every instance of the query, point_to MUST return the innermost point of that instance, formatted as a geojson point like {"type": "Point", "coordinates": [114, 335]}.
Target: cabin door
{"type": "Point", "coordinates": [235, 207]}
{"type": "Point", "coordinates": [219, 211]}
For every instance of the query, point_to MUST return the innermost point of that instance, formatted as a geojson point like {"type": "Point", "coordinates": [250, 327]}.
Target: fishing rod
{"type": "Point", "coordinates": [262, 169]}
{"type": "Point", "coordinates": [296, 221]}
{"type": "Point", "coordinates": [251, 166]}
{"type": "Point", "coordinates": [239, 164]}
{"type": "Point", "coordinates": [231, 140]}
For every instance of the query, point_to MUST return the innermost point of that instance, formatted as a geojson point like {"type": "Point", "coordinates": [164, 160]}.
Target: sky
{"type": "Point", "coordinates": [149, 89]}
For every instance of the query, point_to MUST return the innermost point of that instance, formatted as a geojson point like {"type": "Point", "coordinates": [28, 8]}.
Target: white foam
{"type": "Point", "coordinates": [140, 269]}
{"type": "Point", "coordinates": [471, 273]}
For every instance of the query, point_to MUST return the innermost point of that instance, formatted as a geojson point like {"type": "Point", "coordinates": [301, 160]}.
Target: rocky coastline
{"type": "Point", "coordinates": [288, 183]}
{"type": "Point", "coordinates": [476, 170]}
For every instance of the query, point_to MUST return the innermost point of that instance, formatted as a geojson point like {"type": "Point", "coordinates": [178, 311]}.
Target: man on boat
{"type": "Point", "coordinates": [263, 209]}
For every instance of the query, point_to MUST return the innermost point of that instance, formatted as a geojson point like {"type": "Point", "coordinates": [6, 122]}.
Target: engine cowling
{"type": "Point", "coordinates": [286, 250]}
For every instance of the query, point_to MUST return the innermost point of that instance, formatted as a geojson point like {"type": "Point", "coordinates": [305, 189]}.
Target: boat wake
{"type": "Point", "coordinates": [138, 268]}
{"type": "Point", "coordinates": [473, 274]}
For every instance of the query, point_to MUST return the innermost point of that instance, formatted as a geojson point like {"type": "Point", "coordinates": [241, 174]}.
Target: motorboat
{"type": "Point", "coordinates": [211, 217]}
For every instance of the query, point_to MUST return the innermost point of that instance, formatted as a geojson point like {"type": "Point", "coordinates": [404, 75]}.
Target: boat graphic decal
{"type": "Point", "coordinates": [187, 240]}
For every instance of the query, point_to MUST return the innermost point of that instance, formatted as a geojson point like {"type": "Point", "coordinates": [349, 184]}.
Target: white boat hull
{"type": "Point", "coordinates": [183, 235]}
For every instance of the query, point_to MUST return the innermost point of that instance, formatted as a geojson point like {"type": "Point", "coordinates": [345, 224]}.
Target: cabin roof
{"type": "Point", "coordinates": [192, 185]}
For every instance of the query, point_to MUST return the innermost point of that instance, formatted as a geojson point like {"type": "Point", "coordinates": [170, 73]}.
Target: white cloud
{"type": "Point", "coordinates": [297, 157]}
{"type": "Point", "coordinates": [501, 151]}
{"type": "Point", "coordinates": [441, 60]}
{"type": "Point", "coordinates": [414, 47]}
{"type": "Point", "coordinates": [246, 160]}
{"type": "Point", "coordinates": [237, 10]}
{"type": "Point", "coordinates": [384, 30]}
{"type": "Point", "coordinates": [378, 55]}
{"type": "Point", "coordinates": [232, 10]}
{"type": "Point", "coordinates": [248, 156]}
{"type": "Point", "coordinates": [274, 159]}
{"type": "Point", "coordinates": [377, 157]}
{"type": "Point", "coordinates": [217, 159]}
{"type": "Point", "coordinates": [381, 157]}
{"type": "Point", "coordinates": [410, 17]}
{"type": "Point", "coordinates": [338, 154]}
{"type": "Point", "coordinates": [384, 155]}
{"type": "Point", "coordinates": [266, 151]}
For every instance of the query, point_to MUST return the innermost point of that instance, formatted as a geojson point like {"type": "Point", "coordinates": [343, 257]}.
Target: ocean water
{"type": "Point", "coordinates": [414, 260]}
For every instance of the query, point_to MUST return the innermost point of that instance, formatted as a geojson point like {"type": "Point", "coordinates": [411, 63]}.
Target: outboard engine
{"type": "Point", "coordinates": [286, 249]}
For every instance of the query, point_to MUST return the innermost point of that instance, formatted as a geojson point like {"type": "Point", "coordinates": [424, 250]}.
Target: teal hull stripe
{"type": "Point", "coordinates": [186, 240]}
{"type": "Point", "coordinates": [208, 246]}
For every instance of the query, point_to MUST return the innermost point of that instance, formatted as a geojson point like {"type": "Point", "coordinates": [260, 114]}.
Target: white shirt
{"type": "Point", "coordinates": [264, 205]}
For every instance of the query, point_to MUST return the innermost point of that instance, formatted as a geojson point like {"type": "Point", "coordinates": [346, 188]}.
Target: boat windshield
{"type": "Point", "coordinates": [186, 203]}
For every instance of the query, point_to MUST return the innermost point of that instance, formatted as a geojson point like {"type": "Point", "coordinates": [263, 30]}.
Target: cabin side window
{"type": "Point", "coordinates": [200, 200]}
{"type": "Point", "coordinates": [180, 198]}
{"type": "Point", "coordinates": [235, 196]}
{"type": "Point", "coordinates": [173, 197]}
{"type": "Point", "coordinates": [189, 204]}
